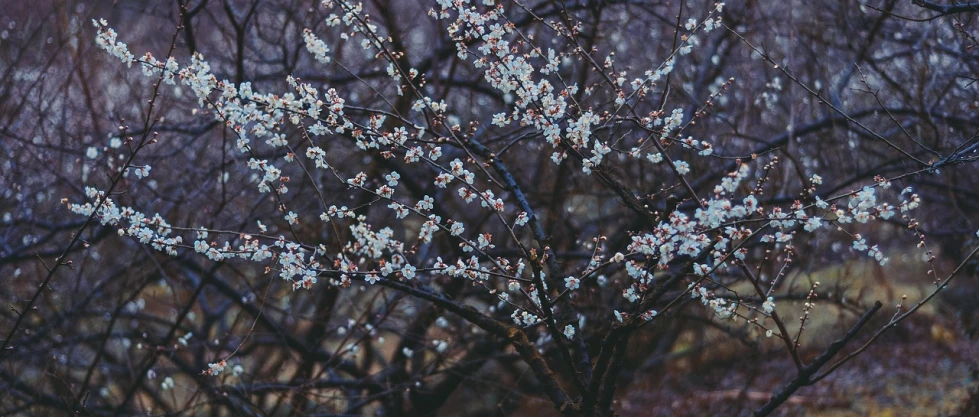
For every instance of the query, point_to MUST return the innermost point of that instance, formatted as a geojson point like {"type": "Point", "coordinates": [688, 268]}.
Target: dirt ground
{"type": "Point", "coordinates": [921, 369]}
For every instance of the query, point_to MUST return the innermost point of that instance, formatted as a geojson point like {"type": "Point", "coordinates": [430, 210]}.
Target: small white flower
{"type": "Point", "coordinates": [569, 332]}
{"type": "Point", "coordinates": [620, 316]}
{"type": "Point", "coordinates": [522, 219]}
{"type": "Point", "coordinates": [393, 179]}
{"type": "Point", "coordinates": [143, 171]}
{"type": "Point", "coordinates": [408, 271]}
{"type": "Point", "coordinates": [859, 244]}
{"type": "Point", "coordinates": [457, 229]}
{"type": "Point", "coordinates": [630, 294]}
{"type": "Point", "coordinates": [768, 306]}
{"type": "Point", "coordinates": [500, 119]}
{"type": "Point", "coordinates": [813, 223]}
{"type": "Point", "coordinates": [571, 283]}
{"type": "Point", "coordinates": [709, 25]}
{"type": "Point", "coordinates": [557, 157]}
{"type": "Point", "coordinates": [682, 168]}
{"type": "Point", "coordinates": [820, 203]}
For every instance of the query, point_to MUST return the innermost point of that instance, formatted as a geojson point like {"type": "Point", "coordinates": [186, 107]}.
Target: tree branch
{"type": "Point", "coordinates": [804, 377]}
{"type": "Point", "coordinates": [947, 9]}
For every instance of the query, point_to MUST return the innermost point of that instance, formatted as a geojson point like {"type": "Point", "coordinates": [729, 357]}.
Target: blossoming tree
{"type": "Point", "coordinates": [541, 186]}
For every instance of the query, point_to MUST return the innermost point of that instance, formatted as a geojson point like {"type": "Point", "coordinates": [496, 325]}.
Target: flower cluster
{"type": "Point", "coordinates": [106, 39]}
